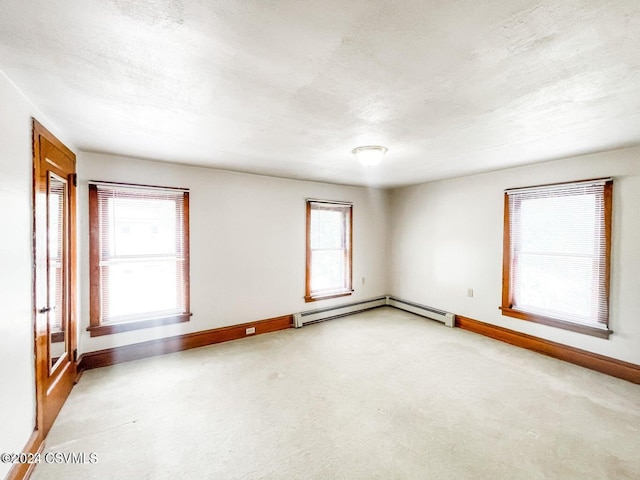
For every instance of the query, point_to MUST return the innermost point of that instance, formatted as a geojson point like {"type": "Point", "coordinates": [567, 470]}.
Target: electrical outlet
{"type": "Point", "coordinates": [250, 330]}
{"type": "Point", "coordinates": [363, 280]}
{"type": "Point", "coordinates": [469, 292]}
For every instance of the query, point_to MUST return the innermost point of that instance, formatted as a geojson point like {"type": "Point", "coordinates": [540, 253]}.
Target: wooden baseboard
{"type": "Point", "coordinates": [610, 366]}
{"type": "Point", "coordinates": [22, 471]}
{"type": "Point", "coordinates": [136, 351]}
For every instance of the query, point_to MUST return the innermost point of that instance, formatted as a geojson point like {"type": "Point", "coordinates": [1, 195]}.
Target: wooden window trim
{"type": "Point", "coordinates": [96, 327]}
{"type": "Point", "coordinates": [108, 329]}
{"type": "Point", "coordinates": [507, 292]}
{"type": "Point", "coordinates": [554, 322]}
{"type": "Point", "coordinates": [315, 298]}
{"type": "Point", "coordinates": [309, 296]}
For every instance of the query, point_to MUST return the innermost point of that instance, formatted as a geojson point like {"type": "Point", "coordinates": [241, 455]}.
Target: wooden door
{"type": "Point", "coordinates": [54, 178]}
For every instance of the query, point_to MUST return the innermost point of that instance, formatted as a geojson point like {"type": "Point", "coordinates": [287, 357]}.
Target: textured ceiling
{"type": "Point", "coordinates": [289, 87]}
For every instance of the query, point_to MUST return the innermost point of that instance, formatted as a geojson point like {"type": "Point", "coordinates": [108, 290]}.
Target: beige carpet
{"type": "Point", "coordinates": [379, 395]}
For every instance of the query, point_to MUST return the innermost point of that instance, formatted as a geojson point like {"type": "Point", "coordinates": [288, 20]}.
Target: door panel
{"type": "Point", "coordinates": [54, 280]}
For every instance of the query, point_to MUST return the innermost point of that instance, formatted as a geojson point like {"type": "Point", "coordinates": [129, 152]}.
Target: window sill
{"type": "Point", "coordinates": [554, 322]}
{"type": "Point", "coordinates": [108, 329]}
{"type": "Point", "coordinates": [315, 298]}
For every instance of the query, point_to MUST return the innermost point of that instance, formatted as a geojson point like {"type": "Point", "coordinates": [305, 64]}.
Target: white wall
{"type": "Point", "coordinates": [446, 237]}
{"type": "Point", "coordinates": [17, 369]}
{"type": "Point", "coordinates": [247, 243]}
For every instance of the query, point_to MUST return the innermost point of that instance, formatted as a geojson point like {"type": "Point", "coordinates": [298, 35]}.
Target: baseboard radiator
{"type": "Point", "coordinates": [322, 314]}
{"type": "Point", "coordinates": [449, 319]}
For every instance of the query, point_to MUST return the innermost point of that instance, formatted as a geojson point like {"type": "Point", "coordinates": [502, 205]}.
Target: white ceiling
{"type": "Point", "coordinates": [290, 87]}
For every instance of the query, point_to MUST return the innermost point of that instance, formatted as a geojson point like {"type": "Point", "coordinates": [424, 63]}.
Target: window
{"type": "Point", "coordinates": [328, 250]}
{"type": "Point", "coordinates": [139, 257]}
{"type": "Point", "coordinates": [557, 243]}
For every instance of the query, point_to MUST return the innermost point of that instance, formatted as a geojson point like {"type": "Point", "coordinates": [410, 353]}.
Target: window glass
{"type": "Point", "coordinates": [328, 250]}
{"type": "Point", "coordinates": [558, 255]}
{"type": "Point", "coordinates": [139, 254]}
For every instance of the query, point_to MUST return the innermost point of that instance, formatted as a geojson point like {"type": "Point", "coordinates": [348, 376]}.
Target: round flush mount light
{"type": "Point", "coordinates": [369, 155]}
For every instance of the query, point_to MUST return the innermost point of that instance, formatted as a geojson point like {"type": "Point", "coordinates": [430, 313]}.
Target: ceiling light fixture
{"type": "Point", "coordinates": [369, 155]}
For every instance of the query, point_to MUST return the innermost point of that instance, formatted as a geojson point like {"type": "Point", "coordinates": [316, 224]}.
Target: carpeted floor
{"type": "Point", "coordinates": [379, 395]}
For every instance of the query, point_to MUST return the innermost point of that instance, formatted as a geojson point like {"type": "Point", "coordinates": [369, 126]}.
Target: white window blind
{"type": "Point", "coordinates": [329, 248]}
{"type": "Point", "coordinates": [558, 256]}
{"type": "Point", "coordinates": [143, 252]}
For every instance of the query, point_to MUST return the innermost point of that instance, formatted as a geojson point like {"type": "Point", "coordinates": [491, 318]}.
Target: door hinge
{"type": "Point", "coordinates": [74, 179]}
{"type": "Point", "coordinates": [75, 354]}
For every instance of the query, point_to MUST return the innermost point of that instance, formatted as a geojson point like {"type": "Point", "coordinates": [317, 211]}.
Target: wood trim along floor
{"type": "Point", "coordinates": [136, 351]}
{"type": "Point", "coordinates": [610, 366]}
{"type": "Point", "coordinates": [22, 471]}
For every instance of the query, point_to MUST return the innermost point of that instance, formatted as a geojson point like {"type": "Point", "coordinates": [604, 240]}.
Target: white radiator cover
{"type": "Point", "coordinates": [321, 314]}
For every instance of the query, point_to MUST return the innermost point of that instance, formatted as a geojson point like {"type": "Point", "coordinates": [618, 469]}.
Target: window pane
{"type": "Point", "coordinates": [55, 217]}
{"type": "Point", "coordinates": [56, 198]}
{"type": "Point", "coordinates": [328, 270]}
{"type": "Point", "coordinates": [145, 227]}
{"type": "Point", "coordinates": [134, 288]}
{"type": "Point", "coordinates": [563, 224]}
{"type": "Point", "coordinates": [558, 258]}
{"type": "Point", "coordinates": [563, 285]}
{"type": "Point", "coordinates": [327, 229]}
{"type": "Point", "coordinates": [328, 250]}
{"type": "Point", "coordinates": [139, 246]}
